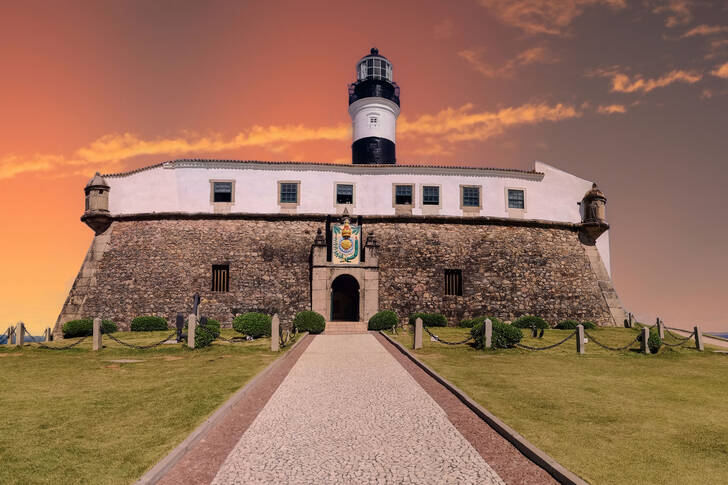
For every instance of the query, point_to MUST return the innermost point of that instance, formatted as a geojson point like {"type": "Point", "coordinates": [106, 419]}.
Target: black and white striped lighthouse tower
{"type": "Point", "coordinates": [374, 108]}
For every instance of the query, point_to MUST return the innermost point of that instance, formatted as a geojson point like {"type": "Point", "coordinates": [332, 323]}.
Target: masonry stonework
{"type": "Point", "coordinates": [154, 266]}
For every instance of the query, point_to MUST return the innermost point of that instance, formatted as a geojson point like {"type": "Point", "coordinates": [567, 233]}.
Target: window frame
{"type": "Point", "coordinates": [339, 206]}
{"type": "Point", "coordinates": [514, 211]}
{"type": "Point", "coordinates": [412, 194]}
{"type": "Point", "coordinates": [288, 205]}
{"type": "Point", "coordinates": [471, 208]}
{"type": "Point", "coordinates": [212, 191]}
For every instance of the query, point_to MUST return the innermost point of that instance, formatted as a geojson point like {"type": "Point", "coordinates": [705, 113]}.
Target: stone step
{"type": "Point", "coordinates": [338, 328]}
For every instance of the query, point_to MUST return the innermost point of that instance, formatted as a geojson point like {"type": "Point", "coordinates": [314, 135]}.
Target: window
{"type": "Point", "coordinates": [403, 194]}
{"type": "Point", "coordinates": [373, 122]}
{"type": "Point", "coordinates": [454, 282]}
{"type": "Point", "coordinates": [431, 195]}
{"type": "Point", "coordinates": [344, 194]}
{"type": "Point", "coordinates": [471, 196]}
{"type": "Point", "coordinates": [289, 193]}
{"type": "Point", "coordinates": [516, 199]}
{"type": "Point", "coordinates": [220, 277]}
{"type": "Point", "coordinates": [222, 191]}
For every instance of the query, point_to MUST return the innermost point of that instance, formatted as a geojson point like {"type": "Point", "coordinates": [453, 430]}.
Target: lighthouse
{"type": "Point", "coordinates": [374, 108]}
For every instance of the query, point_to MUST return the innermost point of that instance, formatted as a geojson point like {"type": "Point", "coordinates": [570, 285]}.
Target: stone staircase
{"type": "Point", "coordinates": [342, 328]}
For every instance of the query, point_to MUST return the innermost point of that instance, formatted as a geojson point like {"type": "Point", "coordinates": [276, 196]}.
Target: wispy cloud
{"type": "Point", "coordinates": [721, 71]}
{"type": "Point", "coordinates": [439, 131]}
{"type": "Point", "coordinates": [535, 55]}
{"type": "Point", "coordinates": [551, 17]}
{"type": "Point", "coordinates": [444, 29]}
{"type": "Point", "coordinates": [624, 83]}
{"type": "Point", "coordinates": [704, 30]}
{"type": "Point", "coordinates": [677, 12]}
{"type": "Point", "coordinates": [611, 109]}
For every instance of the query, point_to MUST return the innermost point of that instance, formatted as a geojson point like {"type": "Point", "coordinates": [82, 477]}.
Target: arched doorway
{"type": "Point", "coordinates": [345, 299]}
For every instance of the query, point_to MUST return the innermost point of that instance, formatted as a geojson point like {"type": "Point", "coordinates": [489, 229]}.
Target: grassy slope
{"type": "Point", "coordinates": [71, 417]}
{"type": "Point", "coordinates": [611, 417]}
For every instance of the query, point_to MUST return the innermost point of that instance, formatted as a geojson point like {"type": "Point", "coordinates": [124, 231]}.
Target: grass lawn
{"type": "Point", "coordinates": [610, 417]}
{"type": "Point", "coordinates": [70, 416]}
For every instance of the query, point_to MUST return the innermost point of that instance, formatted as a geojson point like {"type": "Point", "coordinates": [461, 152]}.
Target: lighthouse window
{"type": "Point", "coordinates": [344, 194]}
{"type": "Point", "coordinates": [471, 196]}
{"type": "Point", "coordinates": [373, 121]}
{"type": "Point", "coordinates": [516, 199]}
{"type": "Point", "coordinates": [289, 193]}
{"type": "Point", "coordinates": [403, 195]}
{"type": "Point", "coordinates": [431, 195]}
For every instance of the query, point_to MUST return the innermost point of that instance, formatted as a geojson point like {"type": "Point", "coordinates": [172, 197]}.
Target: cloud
{"type": "Point", "coordinates": [611, 109]}
{"type": "Point", "coordinates": [623, 83]}
{"type": "Point", "coordinates": [721, 71]}
{"type": "Point", "coordinates": [677, 12]}
{"type": "Point", "coordinates": [705, 30]}
{"type": "Point", "coordinates": [444, 29]}
{"type": "Point", "coordinates": [551, 17]}
{"type": "Point", "coordinates": [438, 132]}
{"type": "Point", "coordinates": [535, 55]}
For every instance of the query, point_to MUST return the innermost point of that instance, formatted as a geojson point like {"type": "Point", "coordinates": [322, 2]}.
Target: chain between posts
{"type": "Point", "coordinates": [616, 349]}
{"type": "Point", "coordinates": [678, 337]}
{"type": "Point", "coordinates": [445, 341]}
{"type": "Point", "coordinates": [682, 342]}
{"type": "Point", "coordinates": [528, 347]}
{"type": "Point", "coordinates": [139, 347]}
{"type": "Point", "coordinates": [44, 346]}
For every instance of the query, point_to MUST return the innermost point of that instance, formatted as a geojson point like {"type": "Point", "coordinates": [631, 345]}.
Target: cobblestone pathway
{"type": "Point", "coordinates": [349, 413]}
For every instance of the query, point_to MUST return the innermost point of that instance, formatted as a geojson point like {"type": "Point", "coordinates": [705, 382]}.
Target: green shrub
{"type": "Point", "coordinates": [85, 326]}
{"type": "Point", "coordinates": [654, 342]}
{"type": "Point", "coordinates": [589, 325]}
{"type": "Point", "coordinates": [504, 336]}
{"type": "Point", "coordinates": [309, 321]}
{"type": "Point", "coordinates": [527, 320]}
{"type": "Point", "coordinates": [253, 324]}
{"type": "Point", "coordinates": [148, 324]}
{"type": "Point", "coordinates": [429, 319]}
{"type": "Point", "coordinates": [383, 320]}
{"type": "Point", "coordinates": [205, 335]}
{"type": "Point", "coordinates": [571, 325]}
{"type": "Point", "coordinates": [470, 322]}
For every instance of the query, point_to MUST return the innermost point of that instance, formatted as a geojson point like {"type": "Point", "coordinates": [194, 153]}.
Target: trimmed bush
{"type": "Point", "coordinates": [205, 336]}
{"type": "Point", "coordinates": [309, 321]}
{"type": "Point", "coordinates": [527, 320]}
{"type": "Point", "coordinates": [253, 324]}
{"type": "Point", "coordinates": [571, 325]}
{"type": "Point", "coordinates": [470, 322]}
{"type": "Point", "coordinates": [654, 342]}
{"type": "Point", "coordinates": [429, 319]}
{"type": "Point", "coordinates": [149, 324]}
{"type": "Point", "coordinates": [85, 326]}
{"type": "Point", "coordinates": [589, 325]}
{"type": "Point", "coordinates": [383, 320]}
{"type": "Point", "coordinates": [504, 336]}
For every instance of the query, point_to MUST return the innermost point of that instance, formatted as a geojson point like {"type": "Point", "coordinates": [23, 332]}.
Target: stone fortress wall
{"type": "Point", "coordinates": [152, 265]}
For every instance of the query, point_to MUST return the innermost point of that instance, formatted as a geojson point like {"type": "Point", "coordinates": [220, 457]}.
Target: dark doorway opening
{"type": "Point", "coordinates": [345, 299]}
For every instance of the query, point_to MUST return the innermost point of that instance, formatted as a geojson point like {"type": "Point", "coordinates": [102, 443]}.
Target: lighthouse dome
{"type": "Point", "coordinates": [374, 66]}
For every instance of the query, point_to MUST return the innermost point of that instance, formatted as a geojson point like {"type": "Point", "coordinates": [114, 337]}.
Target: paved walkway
{"type": "Point", "coordinates": [348, 412]}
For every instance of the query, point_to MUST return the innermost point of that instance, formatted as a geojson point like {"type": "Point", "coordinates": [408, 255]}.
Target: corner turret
{"type": "Point", "coordinates": [97, 215]}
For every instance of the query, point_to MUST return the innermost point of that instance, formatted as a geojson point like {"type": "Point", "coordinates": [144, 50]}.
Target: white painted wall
{"type": "Point", "coordinates": [385, 111]}
{"type": "Point", "coordinates": [184, 186]}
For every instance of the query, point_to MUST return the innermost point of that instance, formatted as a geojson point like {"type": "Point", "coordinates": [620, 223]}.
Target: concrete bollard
{"type": "Point", "coordinates": [48, 334]}
{"type": "Point", "coordinates": [699, 339]}
{"type": "Point", "coordinates": [275, 329]}
{"type": "Point", "coordinates": [580, 345]}
{"type": "Point", "coordinates": [20, 334]}
{"type": "Point", "coordinates": [644, 347]}
{"type": "Point", "coordinates": [191, 327]}
{"type": "Point", "coordinates": [97, 334]}
{"type": "Point", "coordinates": [631, 321]}
{"type": "Point", "coordinates": [418, 333]}
{"type": "Point", "coordinates": [660, 328]}
{"type": "Point", "coordinates": [488, 333]}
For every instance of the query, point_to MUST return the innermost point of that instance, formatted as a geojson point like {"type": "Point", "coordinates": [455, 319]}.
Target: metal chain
{"type": "Point", "coordinates": [678, 337]}
{"type": "Point", "coordinates": [616, 349]}
{"type": "Point", "coordinates": [139, 347]}
{"type": "Point", "coordinates": [528, 347]}
{"type": "Point", "coordinates": [44, 346]}
{"type": "Point", "coordinates": [445, 341]}
{"type": "Point", "coordinates": [681, 343]}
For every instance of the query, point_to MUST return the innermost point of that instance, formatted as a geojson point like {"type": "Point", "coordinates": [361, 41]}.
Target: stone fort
{"type": "Point", "coordinates": [345, 240]}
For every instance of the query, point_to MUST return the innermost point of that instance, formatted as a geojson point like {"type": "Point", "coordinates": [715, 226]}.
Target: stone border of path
{"type": "Point", "coordinates": [158, 471]}
{"type": "Point", "coordinates": [528, 449]}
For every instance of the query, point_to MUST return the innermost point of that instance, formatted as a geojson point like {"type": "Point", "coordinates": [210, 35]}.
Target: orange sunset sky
{"type": "Point", "coordinates": [632, 94]}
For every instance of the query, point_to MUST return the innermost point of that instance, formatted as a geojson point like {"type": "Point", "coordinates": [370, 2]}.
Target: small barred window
{"type": "Point", "coordinates": [220, 277]}
{"type": "Point", "coordinates": [454, 282]}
